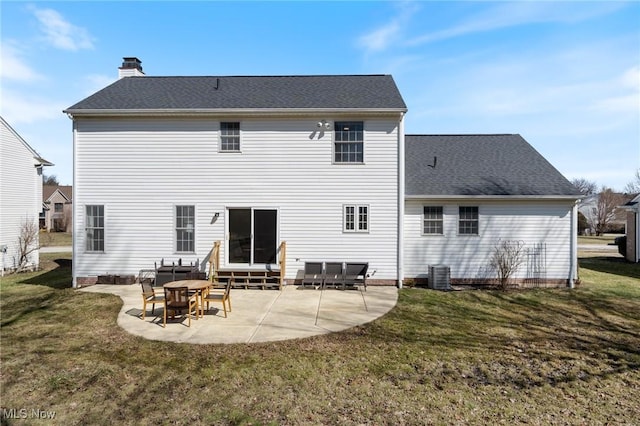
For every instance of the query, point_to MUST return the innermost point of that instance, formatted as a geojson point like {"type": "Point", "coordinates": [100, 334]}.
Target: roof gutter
{"type": "Point", "coordinates": [494, 197]}
{"type": "Point", "coordinates": [229, 111]}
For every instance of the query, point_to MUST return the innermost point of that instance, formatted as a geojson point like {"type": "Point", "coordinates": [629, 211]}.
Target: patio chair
{"type": "Point", "coordinates": [178, 301]}
{"type": "Point", "coordinates": [313, 274]}
{"type": "Point", "coordinates": [149, 295]}
{"type": "Point", "coordinates": [213, 295]}
{"type": "Point", "coordinates": [333, 274]}
{"type": "Point", "coordinates": [355, 274]}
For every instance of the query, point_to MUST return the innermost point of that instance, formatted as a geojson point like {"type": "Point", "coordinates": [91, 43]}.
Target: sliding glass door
{"type": "Point", "coordinates": [253, 236]}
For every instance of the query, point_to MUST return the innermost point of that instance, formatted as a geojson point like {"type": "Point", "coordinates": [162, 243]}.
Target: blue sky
{"type": "Point", "coordinates": [564, 75]}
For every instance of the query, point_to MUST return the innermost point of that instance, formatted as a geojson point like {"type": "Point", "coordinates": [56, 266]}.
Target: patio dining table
{"type": "Point", "coordinates": [193, 285]}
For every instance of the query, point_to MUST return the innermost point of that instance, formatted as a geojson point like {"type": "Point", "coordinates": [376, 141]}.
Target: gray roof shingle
{"type": "Point", "coordinates": [256, 92]}
{"type": "Point", "coordinates": [479, 165]}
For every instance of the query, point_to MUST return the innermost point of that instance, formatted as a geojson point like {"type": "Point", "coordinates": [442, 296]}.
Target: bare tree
{"type": "Point", "coordinates": [633, 187]}
{"type": "Point", "coordinates": [586, 187]}
{"type": "Point", "coordinates": [506, 258]}
{"type": "Point", "coordinates": [50, 180]}
{"type": "Point", "coordinates": [27, 242]}
{"type": "Point", "coordinates": [605, 213]}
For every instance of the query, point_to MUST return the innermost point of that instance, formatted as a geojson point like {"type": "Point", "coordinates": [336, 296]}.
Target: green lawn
{"type": "Point", "coordinates": [474, 357]}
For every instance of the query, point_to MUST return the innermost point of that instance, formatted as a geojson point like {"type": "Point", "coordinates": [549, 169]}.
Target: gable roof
{"type": "Point", "coordinates": [65, 190]}
{"type": "Point", "coordinates": [633, 204]}
{"type": "Point", "coordinates": [139, 94]}
{"type": "Point", "coordinates": [480, 165]}
{"type": "Point", "coordinates": [38, 160]}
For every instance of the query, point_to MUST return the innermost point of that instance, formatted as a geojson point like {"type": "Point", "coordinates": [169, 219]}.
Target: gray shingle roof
{"type": "Point", "coordinates": [480, 165]}
{"type": "Point", "coordinates": [267, 92]}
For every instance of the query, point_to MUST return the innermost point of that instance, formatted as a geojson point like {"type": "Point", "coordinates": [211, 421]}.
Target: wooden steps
{"type": "Point", "coordinates": [248, 278]}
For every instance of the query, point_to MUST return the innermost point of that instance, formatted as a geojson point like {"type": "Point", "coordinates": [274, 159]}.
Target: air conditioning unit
{"type": "Point", "coordinates": [439, 277]}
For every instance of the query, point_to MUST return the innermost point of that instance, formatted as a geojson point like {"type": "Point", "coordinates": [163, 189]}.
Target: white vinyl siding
{"type": "Point", "coordinates": [142, 168]}
{"type": "Point", "coordinates": [20, 195]}
{"type": "Point", "coordinates": [533, 222]}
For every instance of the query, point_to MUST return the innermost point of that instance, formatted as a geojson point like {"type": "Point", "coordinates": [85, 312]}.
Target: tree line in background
{"type": "Point", "coordinates": [602, 211]}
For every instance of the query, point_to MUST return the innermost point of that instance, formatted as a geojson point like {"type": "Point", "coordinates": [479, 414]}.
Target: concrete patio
{"type": "Point", "coordinates": [257, 315]}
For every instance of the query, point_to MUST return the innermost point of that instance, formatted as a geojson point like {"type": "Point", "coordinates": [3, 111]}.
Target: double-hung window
{"type": "Point", "coordinates": [356, 218]}
{"type": "Point", "coordinates": [348, 142]}
{"type": "Point", "coordinates": [185, 228]}
{"type": "Point", "coordinates": [58, 207]}
{"type": "Point", "coordinates": [230, 137]}
{"type": "Point", "coordinates": [468, 220]}
{"type": "Point", "coordinates": [432, 221]}
{"type": "Point", "coordinates": [94, 226]}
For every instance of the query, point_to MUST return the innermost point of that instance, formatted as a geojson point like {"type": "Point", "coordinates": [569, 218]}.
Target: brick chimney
{"type": "Point", "coordinates": [131, 67]}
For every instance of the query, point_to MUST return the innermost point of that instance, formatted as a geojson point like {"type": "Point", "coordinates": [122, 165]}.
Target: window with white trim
{"type": "Point", "coordinates": [432, 220]}
{"type": "Point", "coordinates": [230, 136]}
{"type": "Point", "coordinates": [94, 227]}
{"type": "Point", "coordinates": [468, 220]}
{"type": "Point", "coordinates": [348, 142]}
{"type": "Point", "coordinates": [356, 218]}
{"type": "Point", "coordinates": [185, 228]}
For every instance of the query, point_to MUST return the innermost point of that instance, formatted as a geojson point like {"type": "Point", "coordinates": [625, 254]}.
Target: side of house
{"type": "Point", "coordinates": [252, 162]}
{"type": "Point", "coordinates": [466, 193]}
{"type": "Point", "coordinates": [20, 197]}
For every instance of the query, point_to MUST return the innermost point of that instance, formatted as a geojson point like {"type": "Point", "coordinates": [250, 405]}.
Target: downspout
{"type": "Point", "coordinates": [400, 248]}
{"type": "Point", "coordinates": [74, 236]}
{"type": "Point", "coordinates": [574, 245]}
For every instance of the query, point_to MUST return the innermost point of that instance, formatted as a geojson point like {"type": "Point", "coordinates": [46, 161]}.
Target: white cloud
{"type": "Point", "coordinates": [380, 38]}
{"type": "Point", "coordinates": [507, 15]}
{"type": "Point", "coordinates": [389, 33]}
{"type": "Point", "coordinates": [24, 108]}
{"type": "Point", "coordinates": [14, 67]}
{"type": "Point", "coordinates": [622, 94]}
{"type": "Point", "coordinates": [60, 33]}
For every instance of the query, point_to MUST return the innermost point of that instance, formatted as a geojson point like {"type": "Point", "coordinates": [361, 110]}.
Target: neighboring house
{"type": "Point", "coordinates": [588, 206]}
{"type": "Point", "coordinates": [20, 196]}
{"type": "Point", "coordinates": [464, 193]}
{"type": "Point", "coordinates": [633, 229]}
{"type": "Point", "coordinates": [166, 166]}
{"type": "Point", "coordinates": [57, 211]}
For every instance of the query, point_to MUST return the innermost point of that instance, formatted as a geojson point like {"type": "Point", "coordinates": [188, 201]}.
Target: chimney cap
{"type": "Point", "coordinates": [131, 62]}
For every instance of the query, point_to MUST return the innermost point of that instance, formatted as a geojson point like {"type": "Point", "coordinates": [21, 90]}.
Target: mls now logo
{"type": "Point", "coordinates": [23, 413]}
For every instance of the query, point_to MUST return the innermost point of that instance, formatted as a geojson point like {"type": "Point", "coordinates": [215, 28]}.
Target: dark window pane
{"type": "Point", "coordinates": [239, 235]}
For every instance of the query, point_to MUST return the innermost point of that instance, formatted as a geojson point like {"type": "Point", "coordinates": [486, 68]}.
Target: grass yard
{"type": "Point", "coordinates": [600, 239]}
{"type": "Point", "coordinates": [55, 239]}
{"type": "Point", "coordinates": [473, 357]}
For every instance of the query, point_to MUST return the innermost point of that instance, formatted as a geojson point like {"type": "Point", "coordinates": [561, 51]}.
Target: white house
{"type": "Point", "coordinates": [20, 196]}
{"type": "Point", "coordinates": [166, 166]}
